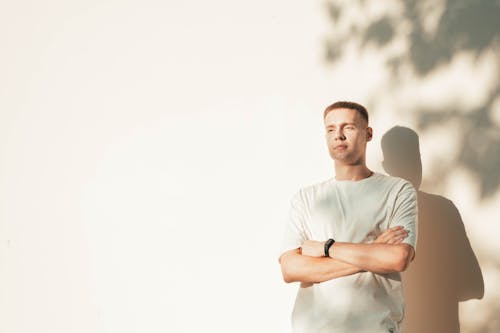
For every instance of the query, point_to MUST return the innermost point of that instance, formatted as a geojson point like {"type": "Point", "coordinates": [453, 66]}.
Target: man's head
{"type": "Point", "coordinates": [347, 105]}
{"type": "Point", "coordinates": [347, 132]}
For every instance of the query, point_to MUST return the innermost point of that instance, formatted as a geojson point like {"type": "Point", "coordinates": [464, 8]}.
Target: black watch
{"type": "Point", "coordinates": [328, 245]}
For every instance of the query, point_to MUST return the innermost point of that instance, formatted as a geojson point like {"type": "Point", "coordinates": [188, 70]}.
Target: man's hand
{"type": "Point", "coordinates": [394, 235]}
{"type": "Point", "coordinates": [313, 248]}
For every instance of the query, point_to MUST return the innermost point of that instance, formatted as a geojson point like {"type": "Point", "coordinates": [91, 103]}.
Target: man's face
{"type": "Point", "coordinates": [346, 135]}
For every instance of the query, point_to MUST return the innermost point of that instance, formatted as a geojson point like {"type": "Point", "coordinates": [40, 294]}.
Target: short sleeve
{"type": "Point", "coordinates": [295, 233]}
{"type": "Point", "coordinates": [405, 213]}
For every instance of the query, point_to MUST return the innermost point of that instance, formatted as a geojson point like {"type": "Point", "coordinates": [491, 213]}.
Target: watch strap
{"type": "Point", "coordinates": [328, 245]}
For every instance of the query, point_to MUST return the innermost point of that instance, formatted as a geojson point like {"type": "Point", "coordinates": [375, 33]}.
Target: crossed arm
{"type": "Point", "coordinates": [385, 255]}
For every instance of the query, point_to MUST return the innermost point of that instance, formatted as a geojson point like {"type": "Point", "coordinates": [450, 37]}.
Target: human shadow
{"type": "Point", "coordinates": [445, 270]}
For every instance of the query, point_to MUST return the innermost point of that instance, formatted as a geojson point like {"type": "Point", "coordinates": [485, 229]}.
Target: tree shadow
{"type": "Point", "coordinates": [445, 270]}
{"type": "Point", "coordinates": [464, 27]}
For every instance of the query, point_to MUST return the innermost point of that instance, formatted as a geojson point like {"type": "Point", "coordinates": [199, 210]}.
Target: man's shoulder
{"type": "Point", "coordinates": [307, 192]}
{"type": "Point", "coordinates": [394, 181]}
{"type": "Point", "coordinates": [317, 186]}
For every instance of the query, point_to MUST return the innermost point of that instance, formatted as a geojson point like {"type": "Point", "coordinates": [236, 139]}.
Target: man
{"type": "Point", "coordinates": [349, 237]}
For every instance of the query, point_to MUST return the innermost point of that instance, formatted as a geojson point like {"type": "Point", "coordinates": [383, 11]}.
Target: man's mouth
{"type": "Point", "coordinates": [340, 147]}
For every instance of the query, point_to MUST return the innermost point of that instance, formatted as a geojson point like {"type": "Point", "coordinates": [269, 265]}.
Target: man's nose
{"type": "Point", "coordinates": [339, 135]}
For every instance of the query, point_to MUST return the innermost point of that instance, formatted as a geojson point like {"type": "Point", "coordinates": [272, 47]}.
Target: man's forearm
{"type": "Point", "coordinates": [301, 268]}
{"type": "Point", "coordinates": [376, 258]}
{"type": "Point", "coordinates": [387, 254]}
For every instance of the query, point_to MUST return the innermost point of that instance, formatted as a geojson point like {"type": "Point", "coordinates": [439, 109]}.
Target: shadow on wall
{"type": "Point", "coordinates": [465, 27]}
{"type": "Point", "coordinates": [445, 270]}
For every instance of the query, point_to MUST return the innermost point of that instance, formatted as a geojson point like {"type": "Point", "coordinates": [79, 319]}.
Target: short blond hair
{"type": "Point", "coordinates": [347, 105]}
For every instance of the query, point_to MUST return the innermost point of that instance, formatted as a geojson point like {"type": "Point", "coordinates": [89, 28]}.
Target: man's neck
{"type": "Point", "coordinates": [351, 172]}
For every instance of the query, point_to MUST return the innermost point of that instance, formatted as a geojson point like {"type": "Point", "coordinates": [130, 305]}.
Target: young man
{"type": "Point", "coordinates": [349, 237]}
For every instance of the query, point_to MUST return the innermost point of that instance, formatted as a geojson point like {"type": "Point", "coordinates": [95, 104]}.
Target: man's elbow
{"type": "Point", "coordinates": [288, 264]}
{"type": "Point", "coordinates": [405, 255]}
{"type": "Point", "coordinates": [288, 278]}
{"type": "Point", "coordinates": [287, 271]}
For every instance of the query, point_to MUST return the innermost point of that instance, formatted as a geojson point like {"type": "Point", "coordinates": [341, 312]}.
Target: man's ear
{"type": "Point", "coordinates": [369, 134]}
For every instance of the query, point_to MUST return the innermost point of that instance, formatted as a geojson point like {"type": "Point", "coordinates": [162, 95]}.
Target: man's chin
{"type": "Point", "coordinates": [340, 157]}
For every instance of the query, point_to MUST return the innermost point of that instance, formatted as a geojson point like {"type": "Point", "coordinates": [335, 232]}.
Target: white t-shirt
{"type": "Point", "coordinates": [355, 212]}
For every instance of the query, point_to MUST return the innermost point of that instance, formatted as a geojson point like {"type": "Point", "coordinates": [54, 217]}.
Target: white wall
{"type": "Point", "coordinates": [148, 151]}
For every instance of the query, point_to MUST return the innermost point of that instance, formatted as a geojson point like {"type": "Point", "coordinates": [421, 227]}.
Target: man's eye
{"type": "Point", "coordinates": [349, 127]}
